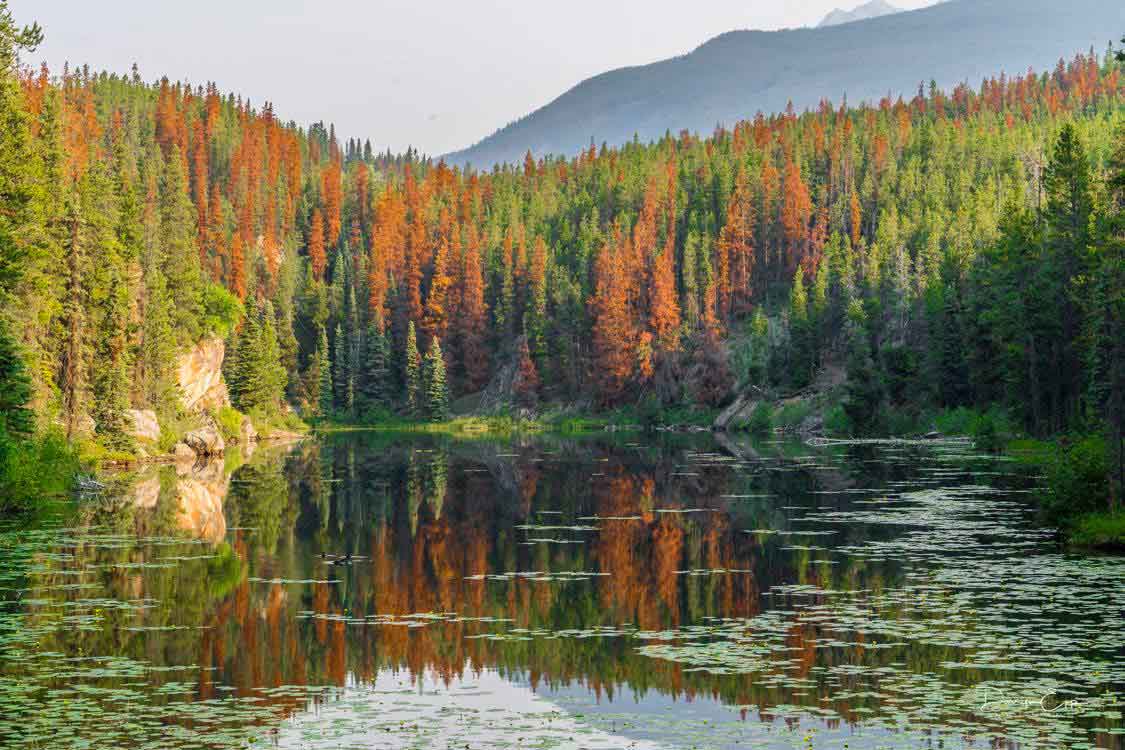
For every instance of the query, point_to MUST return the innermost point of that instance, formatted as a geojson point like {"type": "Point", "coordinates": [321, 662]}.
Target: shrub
{"type": "Point", "coordinates": [988, 434]}
{"type": "Point", "coordinates": [791, 415]}
{"type": "Point", "coordinates": [761, 420]}
{"type": "Point", "coordinates": [1105, 530]}
{"type": "Point", "coordinates": [836, 421]}
{"type": "Point", "coordinates": [1077, 481]}
{"type": "Point", "coordinates": [229, 420]}
{"type": "Point", "coordinates": [221, 310]}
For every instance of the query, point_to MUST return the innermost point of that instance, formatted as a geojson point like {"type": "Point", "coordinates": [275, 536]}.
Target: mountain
{"type": "Point", "coordinates": [736, 74]}
{"type": "Point", "coordinates": [872, 9]}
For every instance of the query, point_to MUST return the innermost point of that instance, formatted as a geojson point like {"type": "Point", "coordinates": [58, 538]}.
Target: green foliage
{"type": "Point", "coordinates": [229, 420]}
{"type": "Point", "coordinates": [325, 399]}
{"type": "Point", "coordinates": [412, 375]}
{"type": "Point", "coordinates": [16, 419]}
{"type": "Point", "coordinates": [32, 469]}
{"type": "Point", "coordinates": [375, 387]}
{"type": "Point", "coordinates": [1100, 530]}
{"type": "Point", "coordinates": [257, 377]}
{"type": "Point", "coordinates": [863, 400]}
{"type": "Point", "coordinates": [434, 384]}
{"type": "Point", "coordinates": [761, 420]}
{"type": "Point", "coordinates": [836, 421]}
{"type": "Point", "coordinates": [790, 416]}
{"type": "Point", "coordinates": [1077, 480]}
{"type": "Point", "coordinates": [222, 310]}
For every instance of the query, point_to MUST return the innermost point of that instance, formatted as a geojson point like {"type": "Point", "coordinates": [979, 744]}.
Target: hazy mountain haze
{"type": "Point", "coordinates": [436, 74]}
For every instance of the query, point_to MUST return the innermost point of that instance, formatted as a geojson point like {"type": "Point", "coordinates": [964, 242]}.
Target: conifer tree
{"type": "Point", "coordinates": [434, 383]}
{"type": "Point", "coordinates": [178, 239]}
{"type": "Point", "coordinates": [16, 418]}
{"type": "Point", "coordinates": [413, 371]}
{"type": "Point", "coordinates": [258, 378]}
{"type": "Point", "coordinates": [19, 185]}
{"type": "Point", "coordinates": [374, 382]}
{"type": "Point", "coordinates": [343, 383]}
{"type": "Point", "coordinates": [325, 398]}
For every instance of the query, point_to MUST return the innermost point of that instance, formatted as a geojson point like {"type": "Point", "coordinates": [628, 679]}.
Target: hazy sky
{"type": "Point", "coordinates": [436, 74]}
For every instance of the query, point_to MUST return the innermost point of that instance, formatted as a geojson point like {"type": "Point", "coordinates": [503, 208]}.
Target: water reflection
{"type": "Point", "coordinates": [369, 589]}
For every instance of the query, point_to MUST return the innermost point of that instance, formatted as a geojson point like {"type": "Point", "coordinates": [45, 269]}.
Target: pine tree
{"type": "Point", "coordinates": [257, 379]}
{"type": "Point", "coordinates": [325, 398]}
{"type": "Point", "coordinates": [343, 382]}
{"type": "Point", "coordinates": [16, 418]}
{"type": "Point", "coordinates": [434, 383]}
{"type": "Point", "coordinates": [19, 186]}
{"type": "Point", "coordinates": [375, 374]}
{"type": "Point", "coordinates": [1070, 205]}
{"type": "Point", "coordinates": [863, 395]}
{"type": "Point", "coordinates": [178, 239]}
{"type": "Point", "coordinates": [412, 376]}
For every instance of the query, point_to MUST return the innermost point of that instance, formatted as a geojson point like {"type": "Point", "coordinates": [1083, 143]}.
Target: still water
{"type": "Point", "coordinates": [376, 591]}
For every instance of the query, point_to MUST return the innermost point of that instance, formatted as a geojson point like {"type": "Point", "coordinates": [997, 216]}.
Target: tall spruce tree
{"type": "Point", "coordinates": [343, 383]}
{"type": "Point", "coordinates": [325, 399]}
{"type": "Point", "coordinates": [374, 373]}
{"type": "Point", "coordinates": [178, 242]}
{"type": "Point", "coordinates": [434, 383]}
{"type": "Point", "coordinates": [16, 418]}
{"type": "Point", "coordinates": [413, 371]}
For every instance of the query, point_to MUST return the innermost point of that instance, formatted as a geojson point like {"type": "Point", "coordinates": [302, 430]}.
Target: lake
{"type": "Point", "coordinates": [373, 590]}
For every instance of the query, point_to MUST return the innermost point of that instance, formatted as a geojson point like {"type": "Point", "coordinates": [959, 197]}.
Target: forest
{"type": "Point", "coordinates": [950, 249]}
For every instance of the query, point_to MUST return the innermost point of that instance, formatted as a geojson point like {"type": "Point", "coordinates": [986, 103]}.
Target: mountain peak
{"type": "Point", "coordinates": [871, 9]}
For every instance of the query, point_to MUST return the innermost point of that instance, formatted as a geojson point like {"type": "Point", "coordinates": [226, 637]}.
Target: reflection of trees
{"type": "Point", "coordinates": [425, 517]}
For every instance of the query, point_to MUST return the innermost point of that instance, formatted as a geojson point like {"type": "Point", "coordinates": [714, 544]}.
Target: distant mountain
{"type": "Point", "coordinates": [872, 9]}
{"type": "Point", "coordinates": [734, 75]}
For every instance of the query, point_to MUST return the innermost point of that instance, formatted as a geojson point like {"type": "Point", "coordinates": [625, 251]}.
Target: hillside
{"type": "Point", "coordinates": [873, 9]}
{"type": "Point", "coordinates": [918, 245]}
{"type": "Point", "coordinates": [739, 73]}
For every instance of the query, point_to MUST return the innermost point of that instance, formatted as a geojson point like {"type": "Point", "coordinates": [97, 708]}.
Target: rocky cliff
{"type": "Point", "coordinates": [200, 375]}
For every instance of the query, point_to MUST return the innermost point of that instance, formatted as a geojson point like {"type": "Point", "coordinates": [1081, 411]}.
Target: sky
{"type": "Point", "coordinates": [438, 75]}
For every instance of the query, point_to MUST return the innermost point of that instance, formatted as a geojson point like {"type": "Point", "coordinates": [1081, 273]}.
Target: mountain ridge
{"type": "Point", "coordinates": [871, 9]}
{"type": "Point", "coordinates": [735, 74]}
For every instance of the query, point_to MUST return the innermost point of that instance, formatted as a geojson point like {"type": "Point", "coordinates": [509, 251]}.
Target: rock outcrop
{"type": "Point", "coordinates": [200, 375]}
{"type": "Point", "coordinates": [145, 424]}
{"type": "Point", "coordinates": [206, 441]}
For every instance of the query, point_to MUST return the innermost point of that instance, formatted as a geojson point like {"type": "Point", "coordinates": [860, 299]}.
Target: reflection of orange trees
{"type": "Point", "coordinates": [420, 562]}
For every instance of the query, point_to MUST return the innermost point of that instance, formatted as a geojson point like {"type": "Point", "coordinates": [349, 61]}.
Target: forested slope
{"type": "Point", "coordinates": [962, 247]}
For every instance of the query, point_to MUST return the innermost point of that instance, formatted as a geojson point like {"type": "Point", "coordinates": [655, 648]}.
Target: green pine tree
{"type": "Point", "coordinates": [413, 373]}
{"type": "Point", "coordinates": [342, 373]}
{"type": "Point", "coordinates": [16, 419]}
{"type": "Point", "coordinates": [435, 384]}
{"type": "Point", "coordinates": [325, 398]}
{"type": "Point", "coordinates": [178, 243]}
{"type": "Point", "coordinates": [374, 371]}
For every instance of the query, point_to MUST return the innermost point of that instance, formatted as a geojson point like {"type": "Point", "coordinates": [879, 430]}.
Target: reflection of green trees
{"type": "Point", "coordinates": [259, 500]}
{"type": "Point", "coordinates": [425, 515]}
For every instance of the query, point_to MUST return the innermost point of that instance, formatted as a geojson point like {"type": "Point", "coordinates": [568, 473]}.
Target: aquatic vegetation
{"type": "Point", "coordinates": [881, 594]}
